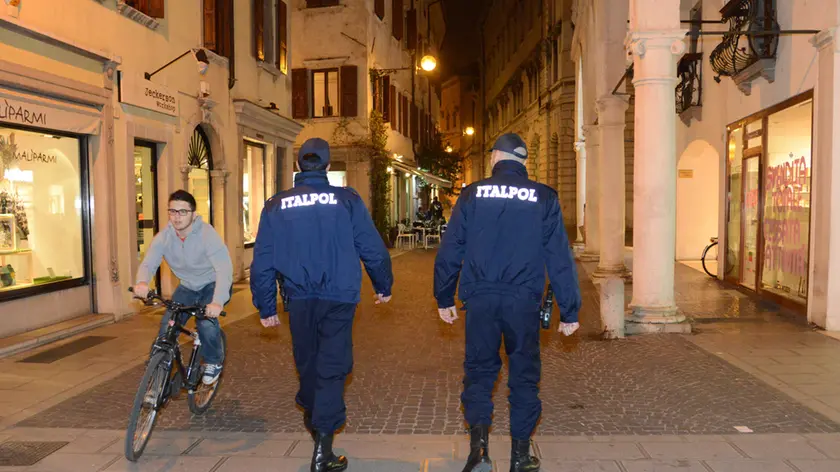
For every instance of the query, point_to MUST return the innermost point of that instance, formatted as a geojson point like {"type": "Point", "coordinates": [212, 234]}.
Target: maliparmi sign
{"type": "Point", "coordinates": [137, 91]}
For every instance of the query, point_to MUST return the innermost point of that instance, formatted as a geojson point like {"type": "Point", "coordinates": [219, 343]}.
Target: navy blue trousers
{"type": "Point", "coordinates": [322, 342]}
{"type": "Point", "coordinates": [209, 330]}
{"type": "Point", "coordinates": [489, 319]}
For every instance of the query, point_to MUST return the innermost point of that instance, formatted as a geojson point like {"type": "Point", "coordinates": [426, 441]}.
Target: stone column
{"type": "Point", "coordinates": [580, 160]}
{"type": "Point", "coordinates": [185, 176]}
{"type": "Point", "coordinates": [218, 183]}
{"type": "Point", "coordinates": [824, 285]}
{"type": "Point", "coordinates": [656, 43]}
{"type": "Point", "coordinates": [611, 110]}
{"type": "Point", "coordinates": [592, 250]}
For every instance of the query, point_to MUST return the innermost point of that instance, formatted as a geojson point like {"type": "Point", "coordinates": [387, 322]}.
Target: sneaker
{"type": "Point", "coordinates": [211, 373]}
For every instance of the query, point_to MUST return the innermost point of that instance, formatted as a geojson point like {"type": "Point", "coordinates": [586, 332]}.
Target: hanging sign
{"type": "Point", "coordinates": [137, 91]}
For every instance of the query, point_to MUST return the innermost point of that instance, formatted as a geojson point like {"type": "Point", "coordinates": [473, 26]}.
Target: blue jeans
{"type": "Point", "coordinates": [209, 330]}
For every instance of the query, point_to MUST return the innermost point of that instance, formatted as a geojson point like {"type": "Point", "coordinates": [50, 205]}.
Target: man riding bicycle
{"type": "Point", "coordinates": [199, 258]}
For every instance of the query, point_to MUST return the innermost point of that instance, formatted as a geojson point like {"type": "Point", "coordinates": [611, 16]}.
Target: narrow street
{"type": "Point", "coordinates": [407, 381]}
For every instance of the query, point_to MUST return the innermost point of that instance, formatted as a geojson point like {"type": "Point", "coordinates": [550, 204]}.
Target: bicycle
{"type": "Point", "coordinates": [714, 242]}
{"type": "Point", "coordinates": [729, 263]}
{"type": "Point", "coordinates": [164, 377]}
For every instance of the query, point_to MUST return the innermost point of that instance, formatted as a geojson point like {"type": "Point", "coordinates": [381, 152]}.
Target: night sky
{"type": "Point", "coordinates": [461, 45]}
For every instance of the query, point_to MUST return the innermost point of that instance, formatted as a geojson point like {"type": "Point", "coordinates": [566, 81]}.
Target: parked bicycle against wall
{"type": "Point", "coordinates": [714, 242]}
{"type": "Point", "coordinates": [729, 263]}
{"type": "Point", "coordinates": [166, 375]}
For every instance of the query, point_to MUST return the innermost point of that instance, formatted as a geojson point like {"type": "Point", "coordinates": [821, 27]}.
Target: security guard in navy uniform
{"type": "Point", "coordinates": [504, 233]}
{"type": "Point", "coordinates": [312, 237]}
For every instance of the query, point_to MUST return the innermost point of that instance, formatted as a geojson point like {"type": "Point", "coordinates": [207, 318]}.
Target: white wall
{"type": "Point", "coordinates": [697, 203]}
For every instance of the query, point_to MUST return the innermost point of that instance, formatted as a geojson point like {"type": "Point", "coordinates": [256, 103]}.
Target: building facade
{"type": "Point", "coordinates": [528, 87]}
{"type": "Point", "coordinates": [460, 123]}
{"type": "Point", "coordinates": [353, 57]}
{"type": "Point", "coordinates": [734, 113]}
{"type": "Point", "coordinates": [109, 106]}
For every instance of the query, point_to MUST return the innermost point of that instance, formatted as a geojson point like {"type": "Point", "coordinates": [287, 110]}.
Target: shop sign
{"type": "Point", "coordinates": [42, 112]}
{"type": "Point", "coordinates": [137, 91]}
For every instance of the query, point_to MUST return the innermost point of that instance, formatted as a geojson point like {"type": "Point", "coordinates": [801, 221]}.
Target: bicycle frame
{"type": "Point", "coordinates": [169, 343]}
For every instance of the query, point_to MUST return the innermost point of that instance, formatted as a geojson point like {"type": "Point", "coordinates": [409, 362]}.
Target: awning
{"type": "Point", "coordinates": [427, 176]}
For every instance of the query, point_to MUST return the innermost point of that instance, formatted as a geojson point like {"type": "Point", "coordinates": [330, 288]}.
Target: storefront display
{"type": "Point", "coordinates": [769, 201]}
{"type": "Point", "coordinates": [41, 217]}
{"type": "Point", "coordinates": [253, 190]}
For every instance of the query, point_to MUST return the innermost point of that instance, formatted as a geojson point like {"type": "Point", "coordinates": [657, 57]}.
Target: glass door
{"type": "Point", "coordinates": [145, 184]}
{"type": "Point", "coordinates": [749, 254]}
{"type": "Point", "coordinates": [201, 163]}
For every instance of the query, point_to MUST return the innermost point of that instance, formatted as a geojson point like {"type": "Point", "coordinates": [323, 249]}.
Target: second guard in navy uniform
{"type": "Point", "coordinates": [312, 237]}
{"type": "Point", "coordinates": [505, 232]}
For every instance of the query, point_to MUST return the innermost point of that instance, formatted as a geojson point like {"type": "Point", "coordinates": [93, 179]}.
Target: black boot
{"type": "Point", "coordinates": [479, 459]}
{"type": "Point", "coordinates": [307, 423]}
{"type": "Point", "coordinates": [521, 459]}
{"type": "Point", "coordinates": [323, 459]}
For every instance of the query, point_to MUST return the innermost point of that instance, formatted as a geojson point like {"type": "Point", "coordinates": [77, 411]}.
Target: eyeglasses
{"type": "Point", "coordinates": [173, 212]}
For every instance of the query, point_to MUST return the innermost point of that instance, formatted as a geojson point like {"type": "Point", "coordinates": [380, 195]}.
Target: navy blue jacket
{"type": "Point", "coordinates": [504, 233]}
{"type": "Point", "coordinates": [313, 237]}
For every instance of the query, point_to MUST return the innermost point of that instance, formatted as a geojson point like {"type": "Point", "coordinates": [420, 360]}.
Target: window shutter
{"type": "Point", "coordinates": [392, 107]}
{"type": "Point", "coordinates": [348, 80]}
{"type": "Point", "coordinates": [210, 36]}
{"type": "Point", "coordinates": [224, 27]}
{"type": "Point", "coordinates": [282, 34]}
{"type": "Point", "coordinates": [397, 18]}
{"type": "Point", "coordinates": [386, 91]}
{"type": "Point", "coordinates": [259, 34]}
{"type": "Point", "coordinates": [415, 130]}
{"type": "Point", "coordinates": [411, 21]}
{"type": "Point", "coordinates": [379, 8]}
{"type": "Point", "coordinates": [422, 122]}
{"type": "Point", "coordinates": [155, 8]}
{"type": "Point", "coordinates": [300, 94]}
{"type": "Point", "coordinates": [406, 116]}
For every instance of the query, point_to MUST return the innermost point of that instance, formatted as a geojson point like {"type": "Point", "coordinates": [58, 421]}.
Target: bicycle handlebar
{"type": "Point", "coordinates": [174, 306]}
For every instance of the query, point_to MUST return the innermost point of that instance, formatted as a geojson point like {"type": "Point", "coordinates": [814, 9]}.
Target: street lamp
{"type": "Point", "coordinates": [428, 63]}
{"type": "Point", "coordinates": [449, 149]}
{"type": "Point", "coordinates": [469, 131]}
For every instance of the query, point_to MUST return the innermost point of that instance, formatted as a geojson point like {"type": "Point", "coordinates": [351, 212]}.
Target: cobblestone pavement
{"type": "Point", "coordinates": [408, 370]}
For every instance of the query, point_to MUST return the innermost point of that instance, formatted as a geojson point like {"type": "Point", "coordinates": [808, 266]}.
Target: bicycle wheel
{"type": "Point", "coordinates": [200, 399]}
{"type": "Point", "coordinates": [144, 414]}
{"type": "Point", "coordinates": [703, 259]}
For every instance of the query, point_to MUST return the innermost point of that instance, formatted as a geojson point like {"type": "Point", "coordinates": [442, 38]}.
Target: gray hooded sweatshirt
{"type": "Point", "coordinates": [200, 259]}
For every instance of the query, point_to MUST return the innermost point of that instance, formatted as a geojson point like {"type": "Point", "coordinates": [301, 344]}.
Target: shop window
{"type": "Point", "coordinates": [43, 211]}
{"type": "Point", "coordinates": [769, 200]}
{"type": "Point", "coordinates": [787, 202]}
{"type": "Point", "coordinates": [253, 190]}
{"type": "Point", "coordinates": [733, 223]}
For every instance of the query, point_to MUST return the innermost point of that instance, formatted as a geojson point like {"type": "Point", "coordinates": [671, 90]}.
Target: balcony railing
{"type": "Point", "coordinates": [689, 89]}
{"type": "Point", "coordinates": [753, 35]}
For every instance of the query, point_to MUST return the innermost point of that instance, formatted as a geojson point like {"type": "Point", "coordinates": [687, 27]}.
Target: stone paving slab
{"type": "Point", "coordinates": [409, 453]}
{"type": "Point", "coordinates": [408, 373]}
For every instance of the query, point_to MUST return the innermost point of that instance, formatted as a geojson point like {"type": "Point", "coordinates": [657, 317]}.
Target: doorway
{"type": "Point", "coordinates": [146, 200]}
{"type": "Point", "coordinates": [201, 163]}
